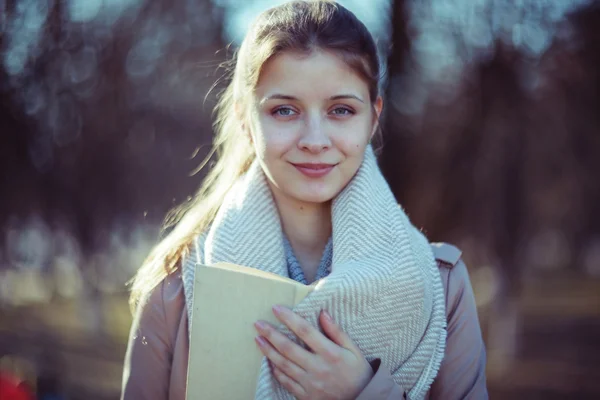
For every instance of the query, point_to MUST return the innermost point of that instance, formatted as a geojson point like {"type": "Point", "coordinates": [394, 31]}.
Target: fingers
{"type": "Point", "coordinates": [310, 335]}
{"type": "Point", "coordinates": [335, 332]}
{"type": "Point", "coordinates": [289, 384]}
{"type": "Point", "coordinates": [283, 346]}
{"type": "Point", "coordinates": [281, 363]}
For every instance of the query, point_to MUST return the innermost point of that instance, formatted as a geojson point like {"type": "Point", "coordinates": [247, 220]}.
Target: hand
{"type": "Point", "coordinates": [335, 369]}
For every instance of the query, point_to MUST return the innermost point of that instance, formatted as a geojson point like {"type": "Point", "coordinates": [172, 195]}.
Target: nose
{"type": "Point", "coordinates": [315, 138]}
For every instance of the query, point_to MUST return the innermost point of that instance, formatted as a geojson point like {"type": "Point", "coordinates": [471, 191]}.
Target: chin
{"type": "Point", "coordinates": [315, 199]}
{"type": "Point", "coordinates": [310, 195]}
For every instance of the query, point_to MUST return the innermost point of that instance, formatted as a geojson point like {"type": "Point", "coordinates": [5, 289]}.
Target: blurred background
{"type": "Point", "coordinates": [491, 142]}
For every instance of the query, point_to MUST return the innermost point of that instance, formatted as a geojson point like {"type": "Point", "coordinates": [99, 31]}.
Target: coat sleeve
{"type": "Point", "coordinates": [147, 366]}
{"type": "Point", "coordinates": [462, 373]}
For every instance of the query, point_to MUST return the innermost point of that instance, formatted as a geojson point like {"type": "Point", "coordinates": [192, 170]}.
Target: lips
{"type": "Point", "coordinates": [314, 170]}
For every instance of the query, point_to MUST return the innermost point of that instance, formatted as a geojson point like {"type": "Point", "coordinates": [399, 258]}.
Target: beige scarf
{"type": "Point", "coordinates": [384, 288]}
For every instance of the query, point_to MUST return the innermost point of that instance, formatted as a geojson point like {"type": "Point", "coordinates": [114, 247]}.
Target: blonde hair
{"type": "Point", "coordinates": [303, 26]}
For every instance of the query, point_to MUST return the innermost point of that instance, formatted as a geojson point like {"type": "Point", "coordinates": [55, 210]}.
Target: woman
{"type": "Point", "coordinates": [297, 191]}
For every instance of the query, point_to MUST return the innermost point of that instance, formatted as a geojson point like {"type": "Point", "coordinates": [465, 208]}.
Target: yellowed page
{"type": "Point", "coordinates": [253, 271]}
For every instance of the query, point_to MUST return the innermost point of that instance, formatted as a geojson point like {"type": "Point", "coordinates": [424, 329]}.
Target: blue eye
{"type": "Point", "coordinates": [342, 111]}
{"type": "Point", "coordinates": [284, 112]}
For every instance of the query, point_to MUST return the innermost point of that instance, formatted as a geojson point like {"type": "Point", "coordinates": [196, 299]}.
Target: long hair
{"type": "Point", "coordinates": [300, 26]}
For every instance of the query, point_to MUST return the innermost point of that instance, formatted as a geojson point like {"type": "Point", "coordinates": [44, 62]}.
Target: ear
{"type": "Point", "coordinates": [242, 118]}
{"type": "Point", "coordinates": [377, 108]}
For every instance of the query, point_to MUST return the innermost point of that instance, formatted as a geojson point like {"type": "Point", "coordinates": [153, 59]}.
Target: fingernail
{"type": "Point", "coordinates": [260, 341]}
{"type": "Point", "coordinates": [277, 309]}
{"type": "Point", "coordinates": [328, 316]}
{"type": "Point", "coordinates": [260, 325]}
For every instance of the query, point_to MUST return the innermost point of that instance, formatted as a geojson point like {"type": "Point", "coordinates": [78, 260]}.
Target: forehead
{"type": "Point", "coordinates": [313, 75]}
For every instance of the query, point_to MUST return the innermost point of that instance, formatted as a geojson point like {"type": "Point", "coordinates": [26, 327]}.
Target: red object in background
{"type": "Point", "coordinates": [12, 389]}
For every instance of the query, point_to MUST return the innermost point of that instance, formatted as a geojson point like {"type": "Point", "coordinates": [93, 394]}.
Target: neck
{"type": "Point", "coordinates": [306, 225]}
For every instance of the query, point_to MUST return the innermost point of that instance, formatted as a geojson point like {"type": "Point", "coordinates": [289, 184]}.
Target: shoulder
{"type": "Point", "coordinates": [446, 255]}
{"type": "Point", "coordinates": [163, 307]}
{"type": "Point", "coordinates": [167, 294]}
{"type": "Point", "coordinates": [454, 273]}
{"type": "Point", "coordinates": [462, 373]}
{"type": "Point", "coordinates": [461, 307]}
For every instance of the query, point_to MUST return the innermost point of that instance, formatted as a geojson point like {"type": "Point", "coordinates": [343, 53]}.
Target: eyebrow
{"type": "Point", "coordinates": [278, 96]}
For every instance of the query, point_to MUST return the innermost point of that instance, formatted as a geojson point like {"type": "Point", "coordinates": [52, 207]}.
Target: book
{"type": "Point", "coordinates": [224, 360]}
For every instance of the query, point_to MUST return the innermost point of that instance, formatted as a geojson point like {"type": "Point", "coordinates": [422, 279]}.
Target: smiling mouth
{"type": "Point", "coordinates": [314, 170]}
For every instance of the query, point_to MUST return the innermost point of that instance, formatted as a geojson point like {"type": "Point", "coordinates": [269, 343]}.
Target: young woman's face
{"type": "Point", "coordinates": [312, 119]}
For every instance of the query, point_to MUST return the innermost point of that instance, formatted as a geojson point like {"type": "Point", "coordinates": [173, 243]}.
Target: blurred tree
{"type": "Point", "coordinates": [584, 119]}
{"type": "Point", "coordinates": [394, 150]}
{"type": "Point", "coordinates": [90, 135]}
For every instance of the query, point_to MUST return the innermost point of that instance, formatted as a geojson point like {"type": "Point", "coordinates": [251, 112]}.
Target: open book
{"type": "Point", "coordinates": [224, 360]}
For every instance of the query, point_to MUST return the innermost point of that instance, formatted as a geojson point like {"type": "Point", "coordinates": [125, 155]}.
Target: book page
{"type": "Point", "coordinates": [224, 359]}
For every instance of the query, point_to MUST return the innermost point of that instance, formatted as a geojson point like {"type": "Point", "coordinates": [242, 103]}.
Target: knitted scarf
{"type": "Point", "coordinates": [384, 288]}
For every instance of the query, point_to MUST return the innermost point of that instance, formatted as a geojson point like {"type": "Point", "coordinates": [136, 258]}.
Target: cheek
{"type": "Point", "coordinates": [259, 144]}
{"type": "Point", "coordinates": [353, 140]}
{"type": "Point", "coordinates": [262, 138]}
{"type": "Point", "coordinates": [275, 138]}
